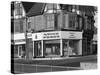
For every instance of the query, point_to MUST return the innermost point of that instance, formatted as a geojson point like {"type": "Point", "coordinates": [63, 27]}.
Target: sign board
{"type": "Point", "coordinates": [57, 35]}
{"type": "Point", "coordinates": [51, 35]}
{"type": "Point", "coordinates": [71, 35]}
{"type": "Point", "coordinates": [46, 35]}
{"type": "Point", "coordinates": [19, 38]}
{"type": "Point", "coordinates": [21, 41]}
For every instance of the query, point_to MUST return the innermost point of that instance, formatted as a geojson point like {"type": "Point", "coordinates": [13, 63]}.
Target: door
{"type": "Point", "coordinates": [20, 51]}
{"type": "Point", "coordinates": [65, 47]}
{"type": "Point", "coordinates": [37, 49]}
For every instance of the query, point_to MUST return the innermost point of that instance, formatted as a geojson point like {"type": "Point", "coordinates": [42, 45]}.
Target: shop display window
{"type": "Point", "coordinates": [15, 51]}
{"type": "Point", "coordinates": [70, 47]}
{"type": "Point", "coordinates": [52, 48]}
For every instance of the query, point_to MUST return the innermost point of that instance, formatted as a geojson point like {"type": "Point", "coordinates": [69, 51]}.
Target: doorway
{"type": "Point", "coordinates": [37, 49]}
{"type": "Point", "coordinates": [20, 51]}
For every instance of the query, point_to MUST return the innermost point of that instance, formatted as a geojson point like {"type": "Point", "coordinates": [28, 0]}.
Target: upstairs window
{"type": "Point", "coordinates": [18, 7]}
{"type": "Point", "coordinates": [50, 21]}
{"type": "Point", "coordinates": [72, 21]}
{"type": "Point", "coordinates": [29, 26]}
{"type": "Point", "coordinates": [21, 26]}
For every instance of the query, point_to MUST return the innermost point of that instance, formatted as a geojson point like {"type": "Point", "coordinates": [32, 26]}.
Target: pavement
{"type": "Point", "coordinates": [26, 68]}
{"type": "Point", "coordinates": [50, 64]}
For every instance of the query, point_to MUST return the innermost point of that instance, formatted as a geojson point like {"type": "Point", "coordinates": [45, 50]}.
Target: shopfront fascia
{"type": "Point", "coordinates": [18, 42]}
{"type": "Point", "coordinates": [57, 43]}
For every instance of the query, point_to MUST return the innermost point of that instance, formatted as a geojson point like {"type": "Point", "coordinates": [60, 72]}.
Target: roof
{"type": "Point", "coordinates": [27, 6]}
{"type": "Point", "coordinates": [37, 9]}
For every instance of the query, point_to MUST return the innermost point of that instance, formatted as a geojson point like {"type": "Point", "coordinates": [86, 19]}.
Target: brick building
{"type": "Point", "coordinates": [53, 30]}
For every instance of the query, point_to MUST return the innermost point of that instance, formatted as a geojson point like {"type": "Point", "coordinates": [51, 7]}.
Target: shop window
{"type": "Point", "coordinates": [37, 48]}
{"type": "Point", "coordinates": [70, 47]}
{"type": "Point", "coordinates": [52, 47]}
{"type": "Point", "coordinates": [73, 47]}
{"type": "Point", "coordinates": [48, 51]}
{"type": "Point", "coordinates": [15, 51]}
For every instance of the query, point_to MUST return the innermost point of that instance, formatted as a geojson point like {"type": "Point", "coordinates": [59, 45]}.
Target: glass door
{"type": "Point", "coordinates": [65, 47]}
{"type": "Point", "coordinates": [37, 49]}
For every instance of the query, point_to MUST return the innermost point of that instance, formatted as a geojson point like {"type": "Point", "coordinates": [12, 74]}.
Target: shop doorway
{"type": "Point", "coordinates": [20, 51]}
{"type": "Point", "coordinates": [37, 49]}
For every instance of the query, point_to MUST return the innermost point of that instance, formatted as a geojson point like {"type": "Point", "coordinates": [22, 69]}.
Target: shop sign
{"type": "Point", "coordinates": [21, 41]}
{"type": "Point", "coordinates": [52, 35]}
{"type": "Point", "coordinates": [46, 35]}
{"type": "Point", "coordinates": [57, 35]}
{"type": "Point", "coordinates": [29, 35]}
{"type": "Point", "coordinates": [71, 35]}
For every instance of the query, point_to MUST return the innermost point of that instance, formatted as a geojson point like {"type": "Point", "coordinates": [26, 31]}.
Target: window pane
{"type": "Point", "coordinates": [72, 21]}
{"type": "Point", "coordinates": [21, 26]}
{"type": "Point", "coordinates": [52, 47]}
{"type": "Point", "coordinates": [15, 51]}
{"type": "Point", "coordinates": [50, 21]}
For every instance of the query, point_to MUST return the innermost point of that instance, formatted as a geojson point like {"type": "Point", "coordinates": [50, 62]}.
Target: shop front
{"type": "Point", "coordinates": [18, 45]}
{"type": "Point", "coordinates": [57, 44]}
{"type": "Point", "coordinates": [19, 50]}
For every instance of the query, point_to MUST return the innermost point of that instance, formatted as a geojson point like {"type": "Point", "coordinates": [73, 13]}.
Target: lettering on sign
{"type": "Point", "coordinates": [51, 35]}
{"type": "Point", "coordinates": [21, 40]}
{"type": "Point", "coordinates": [72, 35]}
